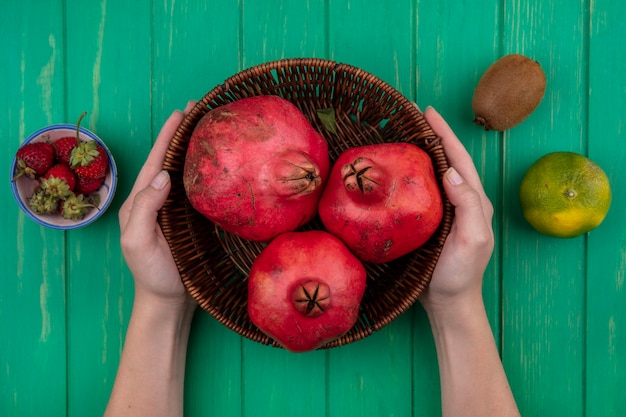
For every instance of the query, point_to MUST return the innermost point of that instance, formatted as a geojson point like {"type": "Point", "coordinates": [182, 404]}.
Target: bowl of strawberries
{"type": "Point", "coordinates": [63, 176]}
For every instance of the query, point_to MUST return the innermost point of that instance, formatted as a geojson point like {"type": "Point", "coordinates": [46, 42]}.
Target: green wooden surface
{"type": "Point", "coordinates": [556, 306]}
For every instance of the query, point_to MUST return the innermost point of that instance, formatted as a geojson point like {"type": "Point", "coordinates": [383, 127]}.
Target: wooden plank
{"type": "Point", "coordinates": [376, 37]}
{"type": "Point", "coordinates": [277, 382]}
{"type": "Point", "coordinates": [32, 259]}
{"type": "Point", "coordinates": [286, 29]}
{"type": "Point", "coordinates": [213, 377]}
{"type": "Point", "coordinates": [543, 288]}
{"type": "Point", "coordinates": [374, 376]}
{"type": "Point", "coordinates": [606, 267]}
{"type": "Point", "coordinates": [196, 47]}
{"type": "Point", "coordinates": [281, 383]}
{"type": "Point", "coordinates": [448, 66]}
{"type": "Point", "coordinates": [426, 383]}
{"type": "Point", "coordinates": [131, 63]}
{"type": "Point", "coordinates": [449, 86]}
{"type": "Point", "coordinates": [108, 74]}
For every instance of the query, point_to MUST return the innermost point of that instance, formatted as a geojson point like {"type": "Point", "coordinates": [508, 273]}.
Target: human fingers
{"type": "Point", "coordinates": [146, 203]}
{"type": "Point", "coordinates": [456, 153]}
{"type": "Point", "coordinates": [189, 106]}
{"type": "Point", "coordinates": [152, 165]}
{"type": "Point", "coordinates": [457, 156]}
{"type": "Point", "coordinates": [472, 220]}
{"type": "Point", "coordinates": [154, 161]}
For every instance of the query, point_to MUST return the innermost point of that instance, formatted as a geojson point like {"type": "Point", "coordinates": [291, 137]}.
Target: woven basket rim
{"type": "Point", "coordinates": [215, 274]}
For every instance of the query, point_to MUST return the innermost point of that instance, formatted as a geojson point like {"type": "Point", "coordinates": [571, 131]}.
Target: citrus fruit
{"type": "Point", "coordinates": [565, 194]}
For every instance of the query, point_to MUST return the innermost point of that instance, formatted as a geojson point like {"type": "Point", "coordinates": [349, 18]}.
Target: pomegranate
{"type": "Point", "coordinates": [305, 289]}
{"type": "Point", "coordinates": [382, 200]}
{"type": "Point", "coordinates": [256, 167]}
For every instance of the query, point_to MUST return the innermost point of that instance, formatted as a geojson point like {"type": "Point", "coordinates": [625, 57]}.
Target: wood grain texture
{"type": "Point", "coordinates": [373, 376]}
{"type": "Point", "coordinates": [605, 323]}
{"type": "Point", "coordinates": [544, 287]}
{"type": "Point", "coordinates": [268, 34]}
{"type": "Point", "coordinates": [556, 306]}
{"type": "Point", "coordinates": [447, 68]}
{"type": "Point", "coordinates": [107, 67]}
{"type": "Point", "coordinates": [33, 269]}
{"type": "Point", "coordinates": [195, 46]}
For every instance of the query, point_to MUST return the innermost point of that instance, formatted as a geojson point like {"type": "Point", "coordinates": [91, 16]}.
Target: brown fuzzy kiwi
{"type": "Point", "coordinates": [508, 92]}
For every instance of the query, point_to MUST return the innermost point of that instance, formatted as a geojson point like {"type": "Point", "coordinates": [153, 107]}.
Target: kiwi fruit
{"type": "Point", "coordinates": [508, 92]}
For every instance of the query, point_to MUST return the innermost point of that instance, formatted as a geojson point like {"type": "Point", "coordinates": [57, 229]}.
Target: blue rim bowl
{"type": "Point", "coordinates": [23, 187]}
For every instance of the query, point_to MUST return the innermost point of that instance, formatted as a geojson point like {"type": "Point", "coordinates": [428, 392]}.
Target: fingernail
{"type": "Point", "coordinates": [161, 180]}
{"type": "Point", "coordinates": [190, 105]}
{"type": "Point", "coordinates": [453, 177]}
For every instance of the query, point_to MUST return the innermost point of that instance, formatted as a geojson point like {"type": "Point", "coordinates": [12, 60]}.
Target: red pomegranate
{"type": "Point", "coordinates": [382, 200]}
{"type": "Point", "coordinates": [305, 289]}
{"type": "Point", "coordinates": [256, 167]}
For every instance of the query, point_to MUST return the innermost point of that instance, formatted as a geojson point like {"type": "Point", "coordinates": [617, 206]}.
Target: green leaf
{"type": "Point", "coordinates": [327, 117]}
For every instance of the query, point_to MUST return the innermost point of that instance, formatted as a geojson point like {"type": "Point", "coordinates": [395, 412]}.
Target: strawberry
{"type": "Point", "coordinates": [34, 159]}
{"type": "Point", "coordinates": [62, 172]}
{"type": "Point", "coordinates": [42, 202]}
{"type": "Point", "coordinates": [54, 187]}
{"type": "Point", "coordinates": [88, 185]}
{"type": "Point", "coordinates": [75, 207]}
{"type": "Point", "coordinates": [89, 160]}
{"type": "Point", "coordinates": [64, 148]}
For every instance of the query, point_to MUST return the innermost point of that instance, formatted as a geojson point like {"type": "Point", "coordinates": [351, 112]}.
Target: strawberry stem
{"type": "Point", "coordinates": [80, 119]}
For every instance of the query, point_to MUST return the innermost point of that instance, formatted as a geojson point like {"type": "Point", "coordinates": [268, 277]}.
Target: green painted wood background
{"type": "Point", "coordinates": [556, 306]}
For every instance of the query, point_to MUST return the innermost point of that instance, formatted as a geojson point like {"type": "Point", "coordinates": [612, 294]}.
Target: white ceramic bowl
{"type": "Point", "coordinates": [23, 187]}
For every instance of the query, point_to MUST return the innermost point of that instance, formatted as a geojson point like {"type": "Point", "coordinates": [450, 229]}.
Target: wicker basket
{"type": "Point", "coordinates": [214, 265]}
